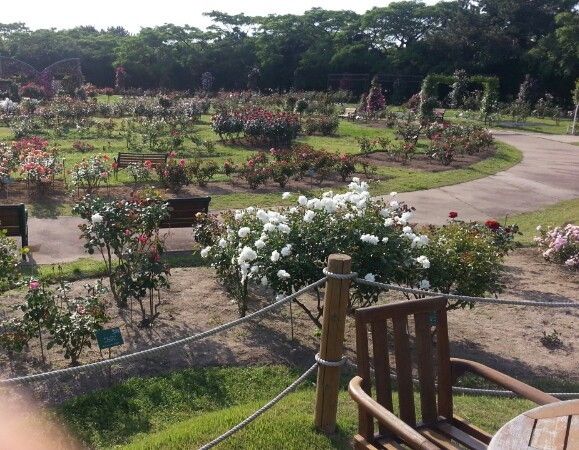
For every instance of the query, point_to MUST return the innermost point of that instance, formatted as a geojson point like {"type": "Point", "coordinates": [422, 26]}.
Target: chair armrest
{"type": "Point", "coordinates": [460, 366]}
{"type": "Point", "coordinates": [396, 426]}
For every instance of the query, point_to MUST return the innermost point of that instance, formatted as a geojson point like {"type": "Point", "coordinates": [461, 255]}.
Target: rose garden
{"type": "Point", "coordinates": [293, 176]}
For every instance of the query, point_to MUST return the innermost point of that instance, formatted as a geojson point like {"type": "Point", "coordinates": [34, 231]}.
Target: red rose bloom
{"type": "Point", "coordinates": [492, 224]}
{"type": "Point", "coordinates": [453, 214]}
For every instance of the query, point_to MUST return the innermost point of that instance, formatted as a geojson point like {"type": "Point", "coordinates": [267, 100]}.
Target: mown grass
{"type": "Point", "coordinates": [506, 122]}
{"type": "Point", "coordinates": [84, 268]}
{"type": "Point", "coordinates": [186, 409]}
{"type": "Point", "coordinates": [558, 214]}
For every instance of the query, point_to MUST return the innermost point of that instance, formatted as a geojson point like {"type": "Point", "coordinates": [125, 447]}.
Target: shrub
{"type": "Point", "coordinates": [560, 245]}
{"type": "Point", "coordinates": [467, 257]}
{"type": "Point", "coordinates": [174, 174]}
{"type": "Point", "coordinates": [88, 174]}
{"type": "Point", "coordinates": [324, 125]}
{"type": "Point", "coordinates": [227, 125]}
{"type": "Point", "coordinates": [375, 101]}
{"type": "Point", "coordinates": [346, 166]}
{"type": "Point", "coordinates": [8, 162]}
{"type": "Point", "coordinates": [83, 147]}
{"type": "Point", "coordinates": [33, 90]}
{"type": "Point", "coordinates": [367, 145]}
{"type": "Point", "coordinates": [203, 171]}
{"type": "Point", "coordinates": [140, 172]}
{"type": "Point", "coordinates": [76, 320]}
{"type": "Point", "coordinates": [118, 229]}
{"type": "Point", "coordinates": [229, 168]}
{"type": "Point", "coordinates": [38, 165]}
{"type": "Point", "coordinates": [286, 249]}
{"type": "Point", "coordinates": [408, 129]}
{"type": "Point", "coordinates": [9, 262]}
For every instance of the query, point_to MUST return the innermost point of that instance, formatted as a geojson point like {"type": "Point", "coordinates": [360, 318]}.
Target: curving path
{"type": "Point", "coordinates": [549, 173]}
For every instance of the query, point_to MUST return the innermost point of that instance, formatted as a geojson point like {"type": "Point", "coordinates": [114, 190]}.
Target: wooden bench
{"type": "Point", "coordinates": [14, 219]}
{"type": "Point", "coordinates": [182, 211]}
{"type": "Point", "coordinates": [349, 114]}
{"type": "Point", "coordinates": [439, 114]}
{"type": "Point", "coordinates": [124, 159]}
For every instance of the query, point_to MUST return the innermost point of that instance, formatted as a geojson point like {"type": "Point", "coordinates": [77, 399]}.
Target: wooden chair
{"type": "Point", "coordinates": [439, 427]}
{"type": "Point", "coordinates": [124, 159]}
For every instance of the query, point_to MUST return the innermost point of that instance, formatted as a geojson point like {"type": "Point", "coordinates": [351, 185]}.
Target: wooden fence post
{"type": "Point", "coordinates": [331, 346]}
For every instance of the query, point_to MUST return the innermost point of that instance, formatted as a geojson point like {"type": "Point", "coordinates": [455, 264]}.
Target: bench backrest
{"type": "Point", "coordinates": [350, 111]}
{"type": "Point", "coordinates": [182, 211]}
{"type": "Point", "coordinates": [13, 219]}
{"type": "Point", "coordinates": [124, 159]}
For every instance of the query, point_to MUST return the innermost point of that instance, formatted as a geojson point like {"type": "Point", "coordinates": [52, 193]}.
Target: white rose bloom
{"type": "Point", "coordinates": [424, 284]}
{"type": "Point", "coordinates": [309, 216]}
{"type": "Point", "coordinates": [96, 218]}
{"type": "Point", "coordinates": [286, 195]}
{"type": "Point", "coordinates": [407, 230]}
{"type": "Point", "coordinates": [293, 210]}
{"type": "Point", "coordinates": [254, 269]}
{"type": "Point", "coordinates": [423, 260]}
{"type": "Point", "coordinates": [250, 209]}
{"type": "Point", "coordinates": [394, 204]}
{"type": "Point", "coordinates": [393, 194]}
{"type": "Point", "coordinates": [243, 232]}
{"type": "Point", "coordinates": [205, 252]}
{"type": "Point", "coordinates": [406, 216]}
{"type": "Point", "coordinates": [222, 243]}
{"type": "Point", "coordinates": [355, 180]}
{"type": "Point", "coordinates": [274, 256]}
{"type": "Point", "coordinates": [370, 277]}
{"type": "Point", "coordinates": [287, 250]}
{"type": "Point", "coordinates": [539, 228]}
{"type": "Point", "coordinates": [370, 239]}
{"type": "Point", "coordinates": [349, 216]}
{"type": "Point", "coordinates": [264, 281]}
{"type": "Point", "coordinates": [246, 254]}
{"type": "Point", "coordinates": [284, 228]}
{"type": "Point", "coordinates": [239, 215]}
{"type": "Point", "coordinates": [283, 274]}
{"type": "Point", "coordinates": [389, 222]}
{"type": "Point", "coordinates": [263, 216]}
{"type": "Point", "coordinates": [385, 239]}
{"type": "Point", "coordinates": [259, 244]}
{"type": "Point", "coordinates": [302, 200]}
{"type": "Point", "coordinates": [385, 212]}
{"type": "Point", "coordinates": [269, 227]}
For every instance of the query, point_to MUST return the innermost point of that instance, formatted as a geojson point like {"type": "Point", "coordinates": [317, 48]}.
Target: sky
{"type": "Point", "coordinates": [134, 14]}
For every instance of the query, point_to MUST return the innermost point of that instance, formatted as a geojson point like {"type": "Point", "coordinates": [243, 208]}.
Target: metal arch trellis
{"type": "Point", "coordinates": [68, 69]}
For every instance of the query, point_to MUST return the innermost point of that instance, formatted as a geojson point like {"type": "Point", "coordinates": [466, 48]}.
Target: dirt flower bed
{"type": "Point", "coordinates": [507, 338]}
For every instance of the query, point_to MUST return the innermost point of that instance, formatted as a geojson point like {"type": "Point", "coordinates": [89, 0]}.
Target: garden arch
{"type": "Point", "coordinates": [433, 81]}
{"type": "Point", "coordinates": [67, 72]}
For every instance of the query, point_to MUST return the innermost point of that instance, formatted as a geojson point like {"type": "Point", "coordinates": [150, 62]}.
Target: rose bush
{"type": "Point", "coordinates": [560, 244]}
{"type": "Point", "coordinates": [287, 249]}
{"type": "Point", "coordinates": [89, 174]}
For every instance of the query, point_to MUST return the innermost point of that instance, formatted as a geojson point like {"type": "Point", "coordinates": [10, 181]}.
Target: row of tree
{"type": "Point", "coordinates": [505, 38]}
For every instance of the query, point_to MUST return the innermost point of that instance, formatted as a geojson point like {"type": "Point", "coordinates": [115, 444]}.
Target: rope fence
{"type": "Point", "coordinates": [187, 340]}
{"type": "Point", "coordinates": [324, 419]}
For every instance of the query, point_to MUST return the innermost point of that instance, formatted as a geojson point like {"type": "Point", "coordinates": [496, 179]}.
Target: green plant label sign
{"type": "Point", "coordinates": [110, 337]}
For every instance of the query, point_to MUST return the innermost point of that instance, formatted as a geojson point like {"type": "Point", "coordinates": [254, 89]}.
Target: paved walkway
{"type": "Point", "coordinates": [549, 173]}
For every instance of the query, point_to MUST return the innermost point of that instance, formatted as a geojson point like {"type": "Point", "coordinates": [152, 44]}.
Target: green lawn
{"type": "Point", "coordinates": [188, 408]}
{"type": "Point", "coordinates": [535, 124]}
{"type": "Point", "coordinates": [554, 215]}
{"type": "Point", "coordinates": [396, 178]}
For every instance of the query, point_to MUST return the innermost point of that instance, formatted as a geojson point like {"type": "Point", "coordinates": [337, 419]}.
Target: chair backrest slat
{"type": "Point", "coordinates": [429, 373]}
{"type": "Point", "coordinates": [444, 375]}
{"type": "Point", "coordinates": [381, 366]}
{"type": "Point", "coordinates": [424, 360]}
{"type": "Point", "coordinates": [404, 370]}
{"type": "Point", "coordinates": [365, 420]}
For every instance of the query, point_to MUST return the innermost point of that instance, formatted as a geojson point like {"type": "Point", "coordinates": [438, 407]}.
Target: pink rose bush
{"type": "Point", "coordinates": [560, 244]}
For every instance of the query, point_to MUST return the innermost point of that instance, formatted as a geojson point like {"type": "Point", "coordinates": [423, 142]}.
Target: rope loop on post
{"type": "Point", "coordinates": [324, 362]}
{"type": "Point", "coordinates": [340, 276]}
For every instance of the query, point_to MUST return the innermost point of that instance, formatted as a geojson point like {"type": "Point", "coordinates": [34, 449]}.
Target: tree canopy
{"type": "Point", "coordinates": [503, 38]}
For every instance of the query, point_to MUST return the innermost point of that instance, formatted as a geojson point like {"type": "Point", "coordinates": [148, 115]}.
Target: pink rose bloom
{"type": "Point", "coordinates": [33, 285]}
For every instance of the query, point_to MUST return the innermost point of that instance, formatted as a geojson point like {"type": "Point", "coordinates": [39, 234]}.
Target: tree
{"type": "Point", "coordinates": [375, 101]}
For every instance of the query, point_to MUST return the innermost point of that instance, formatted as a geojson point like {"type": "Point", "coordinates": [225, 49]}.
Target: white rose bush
{"type": "Point", "coordinates": [287, 249]}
